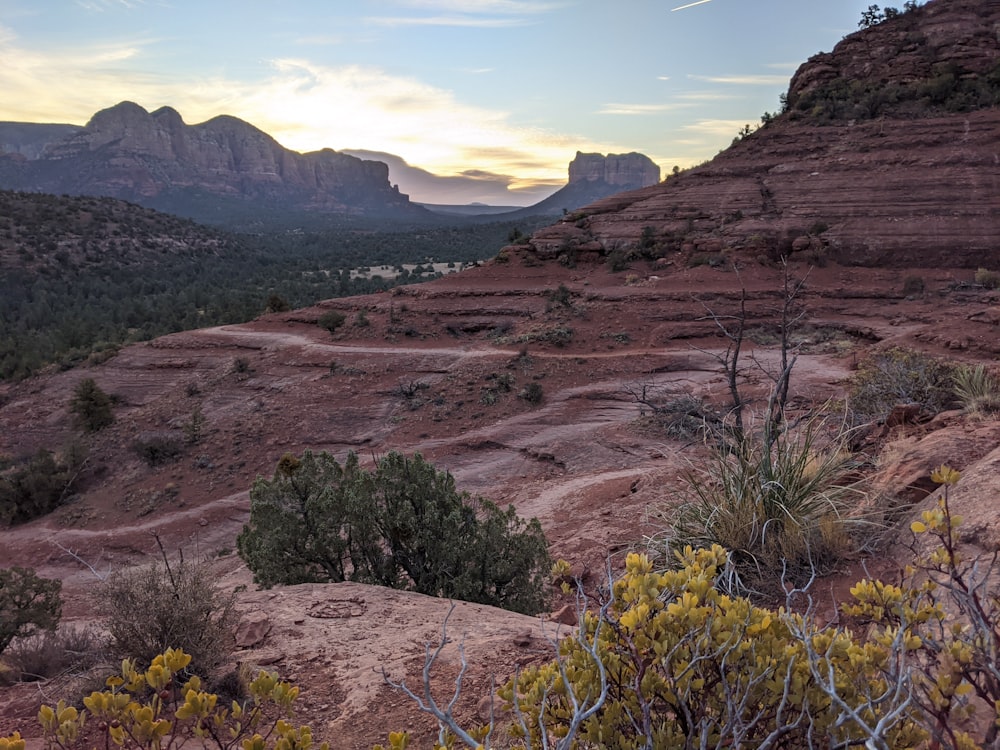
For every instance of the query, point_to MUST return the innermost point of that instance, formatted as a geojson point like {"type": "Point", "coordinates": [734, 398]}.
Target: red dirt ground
{"type": "Point", "coordinates": [581, 460]}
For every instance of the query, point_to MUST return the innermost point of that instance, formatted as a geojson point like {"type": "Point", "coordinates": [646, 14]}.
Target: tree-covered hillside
{"type": "Point", "coordinates": [80, 276]}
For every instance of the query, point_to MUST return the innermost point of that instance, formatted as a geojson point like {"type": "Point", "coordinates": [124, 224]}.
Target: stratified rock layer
{"type": "Point", "coordinates": [894, 172]}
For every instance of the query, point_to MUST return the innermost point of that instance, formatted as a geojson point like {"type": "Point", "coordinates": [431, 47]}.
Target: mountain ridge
{"type": "Point", "coordinates": [157, 160]}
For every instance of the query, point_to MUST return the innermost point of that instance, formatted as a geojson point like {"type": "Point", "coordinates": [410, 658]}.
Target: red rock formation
{"type": "Point", "coordinates": [917, 185]}
{"type": "Point", "coordinates": [129, 153]}
{"type": "Point", "coordinates": [621, 170]}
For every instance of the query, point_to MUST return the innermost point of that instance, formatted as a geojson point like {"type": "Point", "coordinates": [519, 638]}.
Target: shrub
{"type": "Point", "coordinates": [241, 366]}
{"type": "Point", "coordinates": [561, 296]}
{"type": "Point", "coordinates": [532, 393]}
{"type": "Point", "coordinates": [714, 260]}
{"type": "Point", "coordinates": [159, 447]}
{"type": "Point", "coordinates": [331, 320]}
{"type": "Point", "coordinates": [154, 607]}
{"type": "Point", "coordinates": [783, 509]}
{"type": "Point", "coordinates": [671, 660]}
{"type": "Point", "coordinates": [618, 261]}
{"type": "Point", "coordinates": [39, 487]}
{"type": "Point", "coordinates": [989, 279]}
{"type": "Point", "coordinates": [556, 335]}
{"type": "Point", "coordinates": [276, 304]}
{"type": "Point", "coordinates": [194, 427]}
{"type": "Point", "coordinates": [674, 662]}
{"type": "Point", "coordinates": [28, 604]}
{"type": "Point", "coordinates": [402, 525]}
{"type": "Point", "coordinates": [91, 406]}
{"type": "Point", "coordinates": [49, 654]}
{"type": "Point", "coordinates": [899, 376]}
{"type": "Point", "coordinates": [977, 389]}
{"type": "Point", "coordinates": [163, 708]}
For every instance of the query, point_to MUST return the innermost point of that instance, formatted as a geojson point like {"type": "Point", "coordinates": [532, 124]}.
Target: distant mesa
{"type": "Point", "coordinates": [623, 171]}
{"type": "Point", "coordinates": [224, 167]}
{"type": "Point", "coordinates": [226, 171]}
{"type": "Point", "coordinates": [593, 177]}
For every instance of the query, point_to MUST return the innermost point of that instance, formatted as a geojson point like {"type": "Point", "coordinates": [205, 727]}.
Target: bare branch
{"type": "Point", "coordinates": [80, 560]}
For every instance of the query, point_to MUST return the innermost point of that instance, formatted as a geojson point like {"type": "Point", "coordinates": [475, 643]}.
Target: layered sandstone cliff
{"type": "Point", "coordinates": [886, 156]}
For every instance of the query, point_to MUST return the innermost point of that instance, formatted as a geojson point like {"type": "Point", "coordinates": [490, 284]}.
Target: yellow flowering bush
{"type": "Point", "coordinates": [153, 709]}
{"type": "Point", "coordinates": [671, 661]}
{"type": "Point", "coordinates": [675, 662]}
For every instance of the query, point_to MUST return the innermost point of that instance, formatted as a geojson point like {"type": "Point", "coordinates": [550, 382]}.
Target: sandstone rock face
{"type": "Point", "coordinates": [593, 177]}
{"type": "Point", "coordinates": [129, 153]}
{"type": "Point", "coordinates": [917, 185]}
{"type": "Point", "coordinates": [958, 37]}
{"type": "Point", "coordinates": [28, 140]}
{"type": "Point", "coordinates": [625, 171]}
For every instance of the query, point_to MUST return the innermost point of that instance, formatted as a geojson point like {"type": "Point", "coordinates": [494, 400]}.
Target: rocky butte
{"type": "Point", "coordinates": [593, 177]}
{"type": "Point", "coordinates": [157, 160]}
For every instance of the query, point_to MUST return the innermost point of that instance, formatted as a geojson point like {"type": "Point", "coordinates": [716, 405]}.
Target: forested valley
{"type": "Point", "coordinates": [81, 276]}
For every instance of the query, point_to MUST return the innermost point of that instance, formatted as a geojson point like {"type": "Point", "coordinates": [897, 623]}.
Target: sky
{"type": "Point", "coordinates": [499, 93]}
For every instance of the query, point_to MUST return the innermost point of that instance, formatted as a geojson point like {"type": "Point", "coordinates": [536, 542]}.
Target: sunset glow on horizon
{"type": "Point", "coordinates": [509, 88]}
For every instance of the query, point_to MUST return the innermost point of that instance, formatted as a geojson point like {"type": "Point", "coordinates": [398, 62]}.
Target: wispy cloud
{"type": "Point", "coordinates": [305, 106]}
{"type": "Point", "coordinates": [689, 5]}
{"type": "Point", "coordinates": [467, 13]}
{"type": "Point", "coordinates": [103, 5]}
{"type": "Point", "coordinates": [635, 109]}
{"type": "Point", "coordinates": [482, 6]}
{"type": "Point", "coordinates": [715, 129]}
{"type": "Point", "coordinates": [744, 80]}
{"type": "Point", "coordinates": [704, 96]}
{"type": "Point", "coordinates": [461, 21]}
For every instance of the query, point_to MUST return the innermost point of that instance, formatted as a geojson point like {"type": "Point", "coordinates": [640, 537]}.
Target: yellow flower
{"type": "Point", "coordinates": [944, 474]}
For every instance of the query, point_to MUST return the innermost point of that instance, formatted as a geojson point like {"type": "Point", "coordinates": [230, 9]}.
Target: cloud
{"type": "Point", "coordinates": [305, 106]}
{"type": "Point", "coordinates": [689, 5]}
{"type": "Point", "coordinates": [635, 109]}
{"type": "Point", "coordinates": [99, 6]}
{"type": "Point", "coordinates": [745, 80]}
{"type": "Point", "coordinates": [715, 129]}
{"type": "Point", "coordinates": [482, 6]}
{"type": "Point", "coordinates": [467, 13]}
{"type": "Point", "coordinates": [462, 21]}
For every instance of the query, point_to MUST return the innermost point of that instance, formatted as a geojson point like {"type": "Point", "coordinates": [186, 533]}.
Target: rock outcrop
{"type": "Point", "coordinates": [593, 177]}
{"type": "Point", "coordinates": [895, 165]}
{"type": "Point", "coordinates": [624, 171]}
{"type": "Point", "coordinates": [157, 160]}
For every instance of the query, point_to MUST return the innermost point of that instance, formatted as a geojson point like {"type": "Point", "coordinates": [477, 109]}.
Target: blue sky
{"type": "Point", "coordinates": [511, 88]}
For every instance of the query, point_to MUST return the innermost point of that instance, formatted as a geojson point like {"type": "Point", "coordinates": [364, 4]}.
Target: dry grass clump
{"type": "Point", "coordinates": [156, 607]}
{"type": "Point", "coordinates": [53, 653]}
{"type": "Point", "coordinates": [783, 509]}
{"type": "Point", "coordinates": [977, 389]}
{"type": "Point", "coordinates": [896, 377]}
